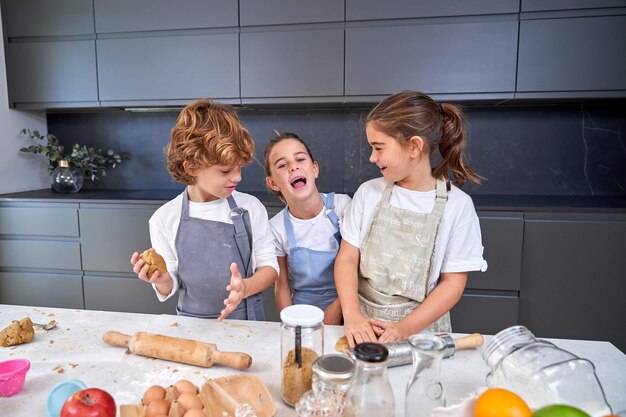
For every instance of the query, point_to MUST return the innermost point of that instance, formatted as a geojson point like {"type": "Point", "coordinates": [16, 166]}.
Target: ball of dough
{"type": "Point", "coordinates": [154, 261]}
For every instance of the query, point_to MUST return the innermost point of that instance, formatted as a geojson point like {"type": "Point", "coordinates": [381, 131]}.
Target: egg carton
{"type": "Point", "coordinates": [221, 401]}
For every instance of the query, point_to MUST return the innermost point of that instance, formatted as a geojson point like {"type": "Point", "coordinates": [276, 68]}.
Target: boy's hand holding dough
{"type": "Point", "coordinates": [154, 261]}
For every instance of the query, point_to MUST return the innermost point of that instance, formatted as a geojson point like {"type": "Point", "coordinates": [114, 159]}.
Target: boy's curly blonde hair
{"type": "Point", "coordinates": [207, 133]}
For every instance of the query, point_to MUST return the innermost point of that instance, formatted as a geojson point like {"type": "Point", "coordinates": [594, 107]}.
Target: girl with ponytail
{"type": "Point", "coordinates": [410, 237]}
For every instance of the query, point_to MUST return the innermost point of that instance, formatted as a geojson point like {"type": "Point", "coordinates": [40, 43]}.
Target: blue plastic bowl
{"type": "Point", "coordinates": [61, 392]}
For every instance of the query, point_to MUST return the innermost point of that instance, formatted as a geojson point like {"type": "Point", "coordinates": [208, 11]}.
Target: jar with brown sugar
{"type": "Point", "coordinates": [302, 342]}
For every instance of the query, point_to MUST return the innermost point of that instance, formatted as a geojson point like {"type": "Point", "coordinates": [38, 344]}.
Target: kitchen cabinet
{"type": "Point", "coordinates": [51, 73]}
{"type": "Point", "coordinates": [175, 68]}
{"type": "Point", "coordinates": [281, 12]}
{"type": "Point", "coordinates": [40, 255]}
{"type": "Point", "coordinates": [402, 9]}
{"type": "Point", "coordinates": [573, 276]}
{"type": "Point", "coordinates": [491, 300]}
{"type": "Point", "coordinates": [449, 59]}
{"type": "Point", "coordinates": [28, 18]}
{"type": "Point", "coordinates": [573, 57]}
{"type": "Point", "coordinates": [148, 15]}
{"type": "Point", "coordinates": [289, 64]}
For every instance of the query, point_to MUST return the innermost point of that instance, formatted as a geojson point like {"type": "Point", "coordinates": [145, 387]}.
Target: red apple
{"type": "Point", "coordinates": [90, 402]}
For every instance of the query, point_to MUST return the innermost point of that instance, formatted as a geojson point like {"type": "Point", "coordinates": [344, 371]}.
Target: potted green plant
{"type": "Point", "coordinates": [89, 162]}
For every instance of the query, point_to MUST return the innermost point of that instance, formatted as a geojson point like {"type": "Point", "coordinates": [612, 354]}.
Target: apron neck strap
{"type": "Point", "coordinates": [184, 211]}
{"type": "Point", "coordinates": [441, 198]}
{"type": "Point", "coordinates": [329, 203]}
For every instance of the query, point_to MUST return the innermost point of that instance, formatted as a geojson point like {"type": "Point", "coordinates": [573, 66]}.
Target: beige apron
{"type": "Point", "coordinates": [397, 258]}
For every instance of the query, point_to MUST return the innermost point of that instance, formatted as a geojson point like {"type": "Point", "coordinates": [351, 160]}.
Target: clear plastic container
{"type": "Point", "coordinates": [542, 373]}
{"type": "Point", "coordinates": [369, 393]}
{"type": "Point", "coordinates": [302, 342]}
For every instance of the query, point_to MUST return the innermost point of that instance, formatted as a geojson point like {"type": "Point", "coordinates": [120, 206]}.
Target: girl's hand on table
{"type": "Point", "coordinates": [358, 330]}
{"type": "Point", "coordinates": [236, 294]}
{"type": "Point", "coordinates": [389, 331]}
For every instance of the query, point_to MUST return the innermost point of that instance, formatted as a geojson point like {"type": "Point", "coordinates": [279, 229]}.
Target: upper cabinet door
{"type": "Point", "coordinates": [47, 17]}
{"type": "Point", "coordinates": [572, 55]}
{"type": "Point", "coordinates": [277, 12]}
{"type": "Point", "coordinates": [146, 15]}
{"type": "Point", "coordinates": [402, 9]}
{"type": "Point", "coordinates": [180, 67]}
{"type": "Point", "coordinates": [443, 58]}
{"type": "Point", "coordinates": [53, 72]}
{"type": "Point", "coordinates": [548, 5]}
{"type": "Point", "coordinates": [292, 63]}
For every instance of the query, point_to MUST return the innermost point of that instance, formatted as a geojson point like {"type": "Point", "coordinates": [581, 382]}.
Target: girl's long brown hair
{"type": "Point", "coordinates": [442, 126]}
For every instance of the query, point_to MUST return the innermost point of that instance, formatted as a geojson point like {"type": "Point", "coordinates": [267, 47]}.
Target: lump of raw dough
{"type": "Point", "coordinates": [154, 261]}
{"type": "Point", "coordinates": [17, 332]}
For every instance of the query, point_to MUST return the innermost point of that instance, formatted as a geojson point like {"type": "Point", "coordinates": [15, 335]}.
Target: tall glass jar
{"type": "Point", "coordinates": [302, 341]}
{"type": "Point", "coordinates": [369, 393]}
{"type": "Point", "coordinates": [542, 373]}
{"type": "Point", "coordinates": [66, 178]}
{"type": "Point", "coordinates": [424, 390]}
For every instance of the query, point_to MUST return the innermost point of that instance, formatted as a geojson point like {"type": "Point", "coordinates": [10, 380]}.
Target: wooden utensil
{"type": "Point", "coordinates": [175, 349]}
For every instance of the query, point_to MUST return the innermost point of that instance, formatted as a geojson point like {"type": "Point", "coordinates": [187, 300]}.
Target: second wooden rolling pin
{"type": "Point", "coordinates": [176, 349]}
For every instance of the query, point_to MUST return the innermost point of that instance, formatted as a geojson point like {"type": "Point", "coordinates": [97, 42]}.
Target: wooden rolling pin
{"type": "Point", "coordinates": [176, 349]}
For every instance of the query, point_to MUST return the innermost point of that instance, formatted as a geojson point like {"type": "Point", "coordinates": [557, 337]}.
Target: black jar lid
{"type": "Point", "coordinates": [371, 352]}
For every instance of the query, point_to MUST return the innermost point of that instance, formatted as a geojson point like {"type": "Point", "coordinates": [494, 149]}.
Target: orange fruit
{"type": "Point", "coordinates": [497, 402]}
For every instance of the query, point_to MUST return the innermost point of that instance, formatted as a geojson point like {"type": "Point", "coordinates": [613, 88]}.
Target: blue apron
{"type": "Point", "coordinates": [206, 248]}
{"type": "Point", "coordinates": [311, 272]}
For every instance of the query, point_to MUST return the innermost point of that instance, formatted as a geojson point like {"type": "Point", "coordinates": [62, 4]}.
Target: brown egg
{"type": "Point", "coordinates": [185, 386]}
{"type": "Point", "coordinates": [158, 407]}
{"type": "Point", "coordinates": [194, 412]}
{"type": "Point", "coordinates": [155, 392]}
{"type": "Point", "coordinates": [189, 401]}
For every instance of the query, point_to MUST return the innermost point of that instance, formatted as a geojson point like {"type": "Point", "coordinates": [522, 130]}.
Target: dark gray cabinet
{"type": "Point", "coordinates": [28, 18]}
{"type": "Point", "coordinates": [161, 68]}
{"type": "Point", "coordinates": [49, 71]}
{"type": "Point", "coordinates": [110, 233]}
{"type": "Point", "coordinates": [402, 9]}
{"type": "Point", "coordinates": [572, 57]}
{"type": "Point", "coordinates": [44, 289]}
{"type": "Point", "coordinates": [280, 12]}
{"type": "Point", "coordinates": [122, 293]}
{"type": "Point", "coordinates": [148, 15]}
{"type": "Point", "coordinates": [292, 63]}
{"type": "Point", "coordinates": [442, 58]}
{"type": "Point", "coordinates": [573, 282]}
{"type": "Point", "coordinates": [490, 302]}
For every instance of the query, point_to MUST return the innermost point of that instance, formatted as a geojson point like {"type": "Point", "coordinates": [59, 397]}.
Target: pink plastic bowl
{"type": "Point", "coordinates": [12, 376]}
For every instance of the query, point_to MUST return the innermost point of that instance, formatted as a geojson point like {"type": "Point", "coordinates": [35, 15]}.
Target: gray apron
{"type": "Point", "coordinates": [205, 250]}
{"type": "Point", "coordinates": [397, 257]}
{"type": "Point", "coordinates": [311, 272]}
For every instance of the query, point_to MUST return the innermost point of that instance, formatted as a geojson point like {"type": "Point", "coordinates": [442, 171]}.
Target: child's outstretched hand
{"type": "Point", "coordinates": [235, 296]}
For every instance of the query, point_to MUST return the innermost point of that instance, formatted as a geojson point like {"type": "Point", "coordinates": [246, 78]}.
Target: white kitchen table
{"type": "Point", "coordinates": [74, 350]}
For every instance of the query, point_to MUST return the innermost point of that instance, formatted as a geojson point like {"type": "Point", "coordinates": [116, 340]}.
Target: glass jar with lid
{"type": "Point", "coordinates": [542, 373]}
{"type": "Point", "coordinates": [302, 342]}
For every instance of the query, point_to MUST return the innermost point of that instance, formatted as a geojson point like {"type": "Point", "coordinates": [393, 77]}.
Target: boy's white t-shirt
{"type": "Point", "coordinates": [458, 246]}
{"type": "Point", "coordinates": [316, 233]}
{"type": "Point", "coordinates": [164, 227]}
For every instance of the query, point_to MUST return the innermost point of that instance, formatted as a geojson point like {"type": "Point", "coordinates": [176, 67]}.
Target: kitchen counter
{"type": "Point", "coordinates": [74, 350]}
{"type": "Point", "coordinates": [526, 203]}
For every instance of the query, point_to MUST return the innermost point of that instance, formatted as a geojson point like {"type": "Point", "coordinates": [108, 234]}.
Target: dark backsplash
{"type": "Point", "coordinates": [566, 149]}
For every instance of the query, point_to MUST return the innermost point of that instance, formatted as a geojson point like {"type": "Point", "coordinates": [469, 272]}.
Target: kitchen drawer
{"type": "Point", "coordinates": [39, 221]}
{"type": "Point", "coordinates": [124, 293]}
{"type": "Point", "coordinates": [503, 236]}
{"type": "Point", "coordinates": [48, 254]}
{"type": "Point", "coordinates": [110, 234]}
{"type": "Point", "coordinates": [41, 289]}
{"type": "Point", "coordinates": [484, 313]}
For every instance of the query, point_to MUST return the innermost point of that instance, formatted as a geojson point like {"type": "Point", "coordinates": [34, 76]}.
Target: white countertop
{"type": "Point", "coordinates": [74, 350]}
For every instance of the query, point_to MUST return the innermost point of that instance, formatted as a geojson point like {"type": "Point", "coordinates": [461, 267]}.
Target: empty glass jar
{"type": "Point", "coordinates": [542, 373]}
{"type": "Point", "coordinates": [66, 178]}
{"type": "Point", "coordinates": [424, 390]}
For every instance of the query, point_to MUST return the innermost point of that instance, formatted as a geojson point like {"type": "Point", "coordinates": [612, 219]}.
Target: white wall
{"type": "Point", "coordinates": [19, 171]}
